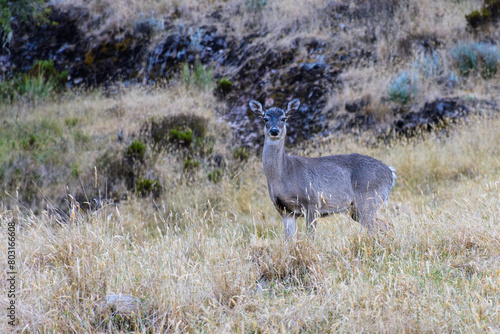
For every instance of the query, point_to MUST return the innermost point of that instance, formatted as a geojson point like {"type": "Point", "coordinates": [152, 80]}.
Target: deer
{"type": "Point", "coordinates": [318, 187]}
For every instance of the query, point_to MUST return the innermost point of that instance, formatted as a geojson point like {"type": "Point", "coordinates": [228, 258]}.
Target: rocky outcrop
{"type": "Point", "coordinates": [246, 68]}
{"type": "Point", "coordinates": [441, 112]}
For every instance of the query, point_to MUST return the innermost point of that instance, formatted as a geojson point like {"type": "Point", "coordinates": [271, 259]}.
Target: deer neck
{"type": "Point", "coordinates": [274, 159]}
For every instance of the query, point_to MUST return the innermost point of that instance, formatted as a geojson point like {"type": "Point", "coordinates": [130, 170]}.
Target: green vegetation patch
{"type": "Point", "coordinates": [179, 131]}
{"type": "Point", "coordinates": [255, 5]}
{"type": "Point", "coordinates": [489, 12]}
{"type": "Point", "coordinates": [476, 57]}
{"type": "Point", "coordinates": [191, 164]}
{"type": "Point", "coordinates": [136, 151]}
{"type": "Point", "coordinates": [21, 10]}
{"type": "Point", "coordinates": [183, 137]}
{"type": "Point", "coordinates": [224, 86]}
{"type": "Point", "coordinates": [35, 156]}
{"type": "Point", "coordinates": [44, 139]}
{"type": "Point", "coordinates": [215, 176]}
{"type": "Point", "coordinates": [39, 83]}
{"type": "Point", "coordinates": [241, 153]}
{"type": "Point", "coordinates": [199, 76]}
{"type": "Point", "coordinates": [403, 88]}
{"type": "Point", "coordinates": [145, 187]}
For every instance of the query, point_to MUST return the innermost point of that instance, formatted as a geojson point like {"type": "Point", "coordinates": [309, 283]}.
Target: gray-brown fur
{"type": "Point", "coordinates": [317, 187]}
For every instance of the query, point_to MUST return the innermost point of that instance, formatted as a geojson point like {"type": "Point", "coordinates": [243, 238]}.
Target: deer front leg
{"type": "Point", "coordinates": [290, 226]}
{"type": "Point", "coordinates": [311, 220]}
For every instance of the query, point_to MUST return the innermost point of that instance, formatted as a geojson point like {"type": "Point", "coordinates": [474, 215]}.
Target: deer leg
{"type": "Point", "coordinates": [290, 226]}
{"type": "Point", "coordinates": [364, 212]}
{"type": "Point", "coordinates": [311, 220]}
{"type": "Point", "coordinates": [380, 224]}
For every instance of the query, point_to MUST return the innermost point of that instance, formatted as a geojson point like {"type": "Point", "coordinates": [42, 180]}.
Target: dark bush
{"type": "Point", "coordinates": [182, 137]}
{"type": "Point", "coordinates": [241, 153]}
{"type": "Point", "coordinates": [179, 130]}
{"type": "Point", "coordinates": [489, 12]}
{"type": "Point", "coordinates": [191, 164]}
{"type": "Point", "coordinates": [224, 86]}
{"type": "Point", "coordinates": [215, 176]}
{"type": "Point", "coordinates": [145, 187]}
{"type": "Point", "coordinates": [136, 151]}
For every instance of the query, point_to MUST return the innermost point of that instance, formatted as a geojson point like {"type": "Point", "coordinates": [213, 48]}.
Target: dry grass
{"type": "Point", "coordinates": [114, 15]}
{"type": "Point", "coordinates": [212, 257]}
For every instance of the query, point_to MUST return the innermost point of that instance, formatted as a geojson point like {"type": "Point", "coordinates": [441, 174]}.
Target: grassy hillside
{"type": "Point", "coordinates": [142, 192]}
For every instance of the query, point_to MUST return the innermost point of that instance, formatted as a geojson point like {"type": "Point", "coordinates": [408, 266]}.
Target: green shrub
{"type": "Point", "coordinates": [186, 75]}
{"type": "Point", "coordinates": [46, 70]}
{"type": "Point", "coordinates": [191, 164]}
{"type": "Point", "coordinates": [34, 87]}
{"type": "Point", "coordinates": [488, 12]}
{"type": "Point", "coordinates": [429, 65]}
{"type": "Point", "coordinates": [39, 83]}
{"type": "Point", "coordinates": [136, 151]}
{"type": "Point", "coordinates": [403, 88]}
{"type": "Point", "coordinates": [21, 10]}
{"type": "Point", "coordinates": [7, 91]}
{"type": "Point", "coordinates": [224, 86]}
{"type": "Point", "coordinates": [200, 76]}
{"type": "Point", "coordinates": [256, 5]}
{"type": "Point", "coordinates": [241, 153]}
{"type": "Point", "coordinates": [183, 137]}
{"type": "Point", "coordinates": [489, 55]}
{"type": "Point", "coordinates": [215, 176]}
{"type": "Point", "coordinates": [145, 187]}
{"type": "Point", "coordinates": [476, 57]}
{"type": "Point", "coordinates": [180, 130]}
{"type": "Point", "coordinates": [71, 122]}
{"type": "Point", "coordinates": [81, 137]}
{"type": "Point", "coordinates": [75, 170]}
{"type": "Point", "coordinates": [478, 17]}
{"type": "Point", "coordinates": [29, 142]}
{"type": "Point", "coordinates": [32, 155]}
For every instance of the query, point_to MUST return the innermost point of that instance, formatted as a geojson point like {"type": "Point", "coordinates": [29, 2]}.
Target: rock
{"type": "Point", "coordinates": [442, 111]}
{"type": "Point", "coordinates": [123, 305]}
{"type": "Point", "coordinates": [358, 104]}
{"type": "Point", "coordinates": [276, 77]}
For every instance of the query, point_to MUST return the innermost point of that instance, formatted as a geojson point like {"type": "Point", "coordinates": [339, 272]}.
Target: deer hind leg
{"type": "Point", "coordinates": [311, 220]}
{"type": "Point", "coordinates": [290, 224]}
{"type": "Point", "coordinates": [364, 211]}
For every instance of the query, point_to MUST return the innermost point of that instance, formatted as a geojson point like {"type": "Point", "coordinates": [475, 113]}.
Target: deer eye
{"type": "Point", "coordinates": [266, 119]}
{"type": "Point", "coordinates": [283, 119]}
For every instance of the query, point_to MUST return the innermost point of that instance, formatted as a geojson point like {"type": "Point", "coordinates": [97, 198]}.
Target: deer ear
{"type": "Point", "coordinates": [293, 106]}
{"type": "Point", "coordinates": [256, 108]}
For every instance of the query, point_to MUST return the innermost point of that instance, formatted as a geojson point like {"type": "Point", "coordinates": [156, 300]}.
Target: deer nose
{"type": "Point", "coordinates": [274, 131]}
